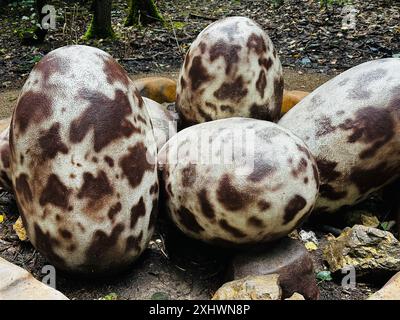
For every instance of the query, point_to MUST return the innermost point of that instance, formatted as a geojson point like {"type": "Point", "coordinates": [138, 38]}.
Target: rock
{"type": "Point", "coordinates": [159, 89]}
{"type": "Point", "coordinates": [291, 98]}
{"type": "Point", "coordinates": [364, 218]}
{"type": "Point", "coordinates": [296, 296]}
{"type": "Point", "coordinates": [251, 288]}
{"type": "Point", "coordinates": [311, 246]}
{"type": "Point", "coordinates": [288, 258]}
{"type": "Point", "coordinates": [20, 230]}
{"type": "Point", "coordinates": [18, 284]}
{"type": "Point", "coordinates": [367, 249]}
{"type": "Point", "coordinates": [305, 61]}
{"type": "Point", "coordinates": [390, 291]}
{"type": "Point", "coordinates": [308, 236]}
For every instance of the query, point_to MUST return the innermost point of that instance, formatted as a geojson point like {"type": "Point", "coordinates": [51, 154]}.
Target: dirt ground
{"type": "Point", "coordinates": [306, 34]}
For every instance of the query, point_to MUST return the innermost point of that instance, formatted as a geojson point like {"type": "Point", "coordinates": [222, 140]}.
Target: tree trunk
{"type": "Point", "coordinates": [142, 12]}
{"type": "Point", "coordinates": [100, 26]}
{"type": "Point", "coordinates": [40, 32]}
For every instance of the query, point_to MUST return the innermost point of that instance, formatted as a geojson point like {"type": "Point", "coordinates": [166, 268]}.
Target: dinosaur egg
{"type": "Point", "coordinates": [163, 120]}
{"type": "Point", "coordinates": [238, 181]}
{"type": "Point", "coordinates": [82, 162]}
{"type": "Point", "coordinates": [5, 174]}
{"type": "Point", "coordinates": [231, 69]}
{"type": "Point", "coordinates": [351, 125]}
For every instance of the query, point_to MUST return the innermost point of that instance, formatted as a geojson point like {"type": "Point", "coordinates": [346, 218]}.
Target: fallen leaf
{"type": "Point", "coordinates": [311, 246]}
{"type": "Point", "coordinates": [20, 230]}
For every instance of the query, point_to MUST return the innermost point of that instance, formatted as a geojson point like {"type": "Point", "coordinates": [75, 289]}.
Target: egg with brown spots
{"type": "Point", "coordinates": [83, 162]}
{"type": "Point", "coordinates": [352, 126]}
{"type": "Point", "coordinates": [238, 181]}
{"type": "Point", "coordinates": [231, 69]}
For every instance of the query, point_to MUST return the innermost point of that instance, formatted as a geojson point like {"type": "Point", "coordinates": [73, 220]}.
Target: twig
{"type": "Point", "coordinates": [195, 15]}
{"type": "Point", "coordinates": [6, 248]}
{"type": "Point", "coordinates": [176, 39]}
{"type": "Point", "coordinates": [5, 242]}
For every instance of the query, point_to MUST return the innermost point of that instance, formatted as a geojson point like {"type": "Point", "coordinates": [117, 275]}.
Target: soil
{"type": "Point", "coordinates": [306, 34]}
{"type": "Point", "coordinates": [172, 267]}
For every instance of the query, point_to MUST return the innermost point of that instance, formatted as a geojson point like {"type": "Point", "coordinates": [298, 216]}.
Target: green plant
{"type": "Point", "coordinates": [178, 25]}
{"type": "Point", "coordinates": [36, 58]}
{"type": "Point", "coordinates": [327, 3]}
{"type": "Point", "coordinates": [278, 3]}
{"type": "Point", "coordinates": [160, 296]}
{"type": "Point", "coordinates": [110, 296]}
{"type": "Point", "coordinates": [324, 275]}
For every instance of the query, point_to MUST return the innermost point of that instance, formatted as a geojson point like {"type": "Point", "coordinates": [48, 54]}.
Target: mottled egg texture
{"type": "Point", "coordinates": [351, 125]}
{"type": "Point", "coordinates": [163, 120]}
{"type": "Point", "coordinates": [5, 174]}
{"type": "Point", "coordinates": [238, 181]}
{"type": "Point", "coordinates": [82, 160]}
{"type": "Point", "coordinates": [231, 69]}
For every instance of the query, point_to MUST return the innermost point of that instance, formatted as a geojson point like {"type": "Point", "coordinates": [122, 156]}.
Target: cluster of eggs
{"type": "Point", "coordinates": [84, 148]}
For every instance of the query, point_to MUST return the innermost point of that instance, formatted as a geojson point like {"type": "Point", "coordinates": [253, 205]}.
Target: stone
{"type": "Point", "coordinates": [20, 230]}
{"type": "Point", "coordinates": [296, 296]}
{"type": "Point", "coordinates": [18, 284]}
{"type": "Point", "coordinates": [308, 236]}
{"type": "Point", "coordinates": [251, 288]}
{"type": "Point", "coordinates": [291, 98]}
{"type": "Point", "coordinates": [362, 217]}
{"type": "Point", "coordinates": [390, 291]}
{"type": "Point", "coordinates": [310, 246]}
{"type": "Point", "coordinates": [159, 89]}
{"type": "Point", "coordinates": [367, 249]}
{"type": "Point", "coordinates": [288, 258]}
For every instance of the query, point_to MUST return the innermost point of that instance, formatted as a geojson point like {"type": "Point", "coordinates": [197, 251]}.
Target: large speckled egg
{"type": "Point", "coordinates": [231, 69]}
{"type": "Point", "coordinates": [238, 181]}
{"type": "Point", "coordinates": [351, 125]}
{"type": "Point", "coordinates": [5, 174]}
{"type": "Point", "coordinates": [83, 162]}
{"type": "Point", "coordinates": [163, 120]}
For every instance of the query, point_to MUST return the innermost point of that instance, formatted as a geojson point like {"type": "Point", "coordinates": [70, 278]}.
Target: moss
{"type": "Point", "coordinates": [142, 12]}
{"type": "Point", "coordinates": [94, 32]}
{"type": "Point", "coordinates": [178, 25]}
